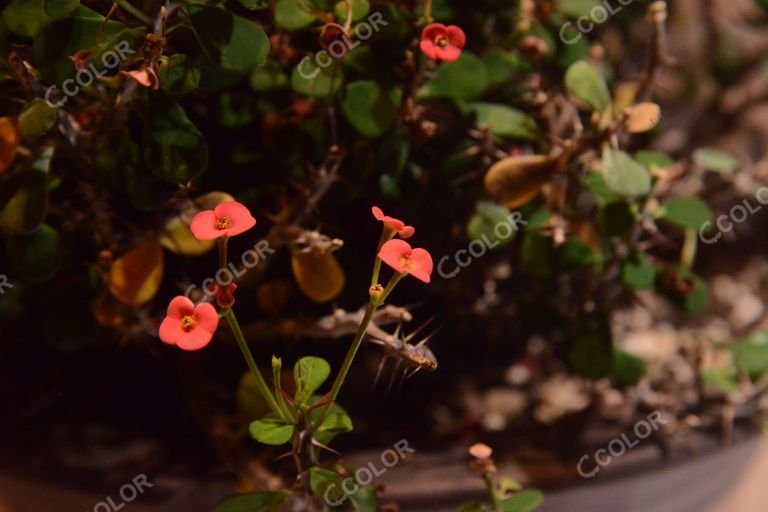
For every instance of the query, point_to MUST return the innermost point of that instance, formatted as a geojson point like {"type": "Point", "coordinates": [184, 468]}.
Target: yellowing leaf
{"type": "Point", "coordinates": [318, 274]}
{"type": "Point", "coordinates": [135, 278]}
{"type": "Point", "coordinates": [107, 312]}
{"type": "Point", "coordinates": [642, 117]}
{"type": "Point", "coordinates": [9, 141]}
{"type": "Point", "coordinates": [178, 239]}
{"type": "Point", "coordinates": [211, 200]}
{"type": "Point", "coordinates": [517, 180]}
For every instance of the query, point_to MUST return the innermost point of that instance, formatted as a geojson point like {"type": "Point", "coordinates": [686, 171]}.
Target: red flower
{"type": "Point", "coordinates": [439, 42]}
{"type": "Point", "coordinates": [399, 255]}
{"type": "Point", "coordinates": [230, 218]}
{"type": "Point", "coordinates": [188, 326]}
{"type": "Point", "coordinates": [393, 224]}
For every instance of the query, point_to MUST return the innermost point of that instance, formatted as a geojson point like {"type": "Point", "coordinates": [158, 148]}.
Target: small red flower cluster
{"type": "Point", "coordinates": [399, 254]}
{"type": "Point", "coordinates": [439, 42]}
{"type": "Point", "coordinates": [192, 327]}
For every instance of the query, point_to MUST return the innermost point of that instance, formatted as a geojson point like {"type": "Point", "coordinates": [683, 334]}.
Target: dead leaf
{"type": "Point", "coordinates": [517, 180]}
{"type": "Point", "coordinates": [9, 142]}
{"type": "Point", "coordinates": [318, 274]}
{"type": "Point", "coordinates": [135, 277]}
{"type": "Point", "coordinates": [642, 117]}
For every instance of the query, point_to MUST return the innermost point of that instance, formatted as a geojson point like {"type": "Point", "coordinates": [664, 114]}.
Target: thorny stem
{"type": "Point", "coordinates": [260, 383]}
{"type": "Point", "coordinates": [135, 12]}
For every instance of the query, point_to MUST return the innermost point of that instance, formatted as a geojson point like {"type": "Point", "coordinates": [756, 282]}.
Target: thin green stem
{"type": "Point", "coordinates": [277, 382]}
{"type": "Point", "coordinates": [222, 242]}
{"type": "Point", "coordinates": [495, 503]}
{"type": "Point", "coordinates": [342, 375]}
{"type": "Point", "coordinates": [427, 12]}
{"type": "Point", "coordinates": [688, 253]}
{"type": "Point", "coordinates": [260, 383]}
{"type": "Point", "coordinates": [135, 12]}
{"type": "Point", "coordinates": [396, 277]}
{"type": "Point", "coordinates": [385, 236]}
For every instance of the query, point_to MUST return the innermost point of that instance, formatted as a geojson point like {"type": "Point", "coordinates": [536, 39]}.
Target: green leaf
{"type": "Point", "coordinates": [370, 109]}
{"type": "Point", "coordinates": [750, 354]}
{"type": "Point", "coordinates": [523, 501]}
{"type": "Point", "coordinates": [364, 499]}
{"type": "Point", "coordinates": [483, 225]}
{"type": "Point", "coordinates": [336, 422]}
{"type": "Point", "coordinates": [269, 77]}
{"type": "Point", "coordinates": [36, 256]}
{"type": "Point", "coordinates": [724, 379]}
{"type": "Point", "coordinates": [587, 84]}
{"type": "Point", "coordinates": [627, 370]}
{"type": "Point", "coordinates": [465, 78]}
{"type": "Point", "coordinates": [360, 9]}
{"type": "Point", "coordinates": [471, 506]}
{"type": "Point", "coordinates": [232, 42]}
{"type": "Point", "coordinates": [87, 30]}
{"type": "Point", "coordinates": [179, 74]}
{"type": "Point", "coordinates": [685, 212]}
{"type": "Point", "coordinates": [654, 159]}
{"type": "Point", "coordinates": [173, 146]}
{"type": "Point", "coordinates": [694, 302]}
{"type": "Point", "coordinates": [326, 484]}
{"type": "Point", "coordinates": [272, 431]}
{"type": "Point", "coordinates": [717, 160]}
{"type": "Point", "coordinates": [24, 200]}
{"type": "Point", "coordinates": [499, 66]}
{"type": "Point", "coordinates": [623, 175]}
{"type": "Point", "coordinates": [254, 5]}
{"type": "Point", "coordinates": [616, 218]}
{"type": "Point", "coordinates": [505, 121]}
{"type": "Point", "coordinates": [252, 502]}
{"type": "Point", "coordinates": [638, 273]}
{"type": "Point", "coordinates": [250, 401]}
{"type": "Point", "coordinates": [292, 15]}
{"type": "Point", "coordinates": [576, 8]}
{"type": "Point", "coordinates": [25, 18]}
{"type": "Point", "coordinates": [591, 354]}
{"type": "Point", "coordinates": [37, 118]}
{"type": "Point", "coordinates": [309, 79]}
{"type": "Point", "coordinates": [309, 374]}
{"type": "Point", "coordinates": [61, 8]}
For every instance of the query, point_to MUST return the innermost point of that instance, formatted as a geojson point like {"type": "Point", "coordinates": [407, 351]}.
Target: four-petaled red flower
{"type": "Point", "coordinates": [399, 255]}
{"type": "Point", "coordinates": [439, 42]}
{"type": "Point", "coordinates": [396, 225]}
{"type": "Point", "coordinates": [187, 326]}
{"type": "Point", "coordinates": [230, 218]}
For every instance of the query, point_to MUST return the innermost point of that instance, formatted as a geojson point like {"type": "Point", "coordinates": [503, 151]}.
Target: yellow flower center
{"type": "Point", "coordinates": [223, 223]}
{"type": "Point", "coordinates": [406, 262]}
{"type": "Point", "coordinates": [441, 41]}
{"type": "Point", "coordinates": [188, 323]}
